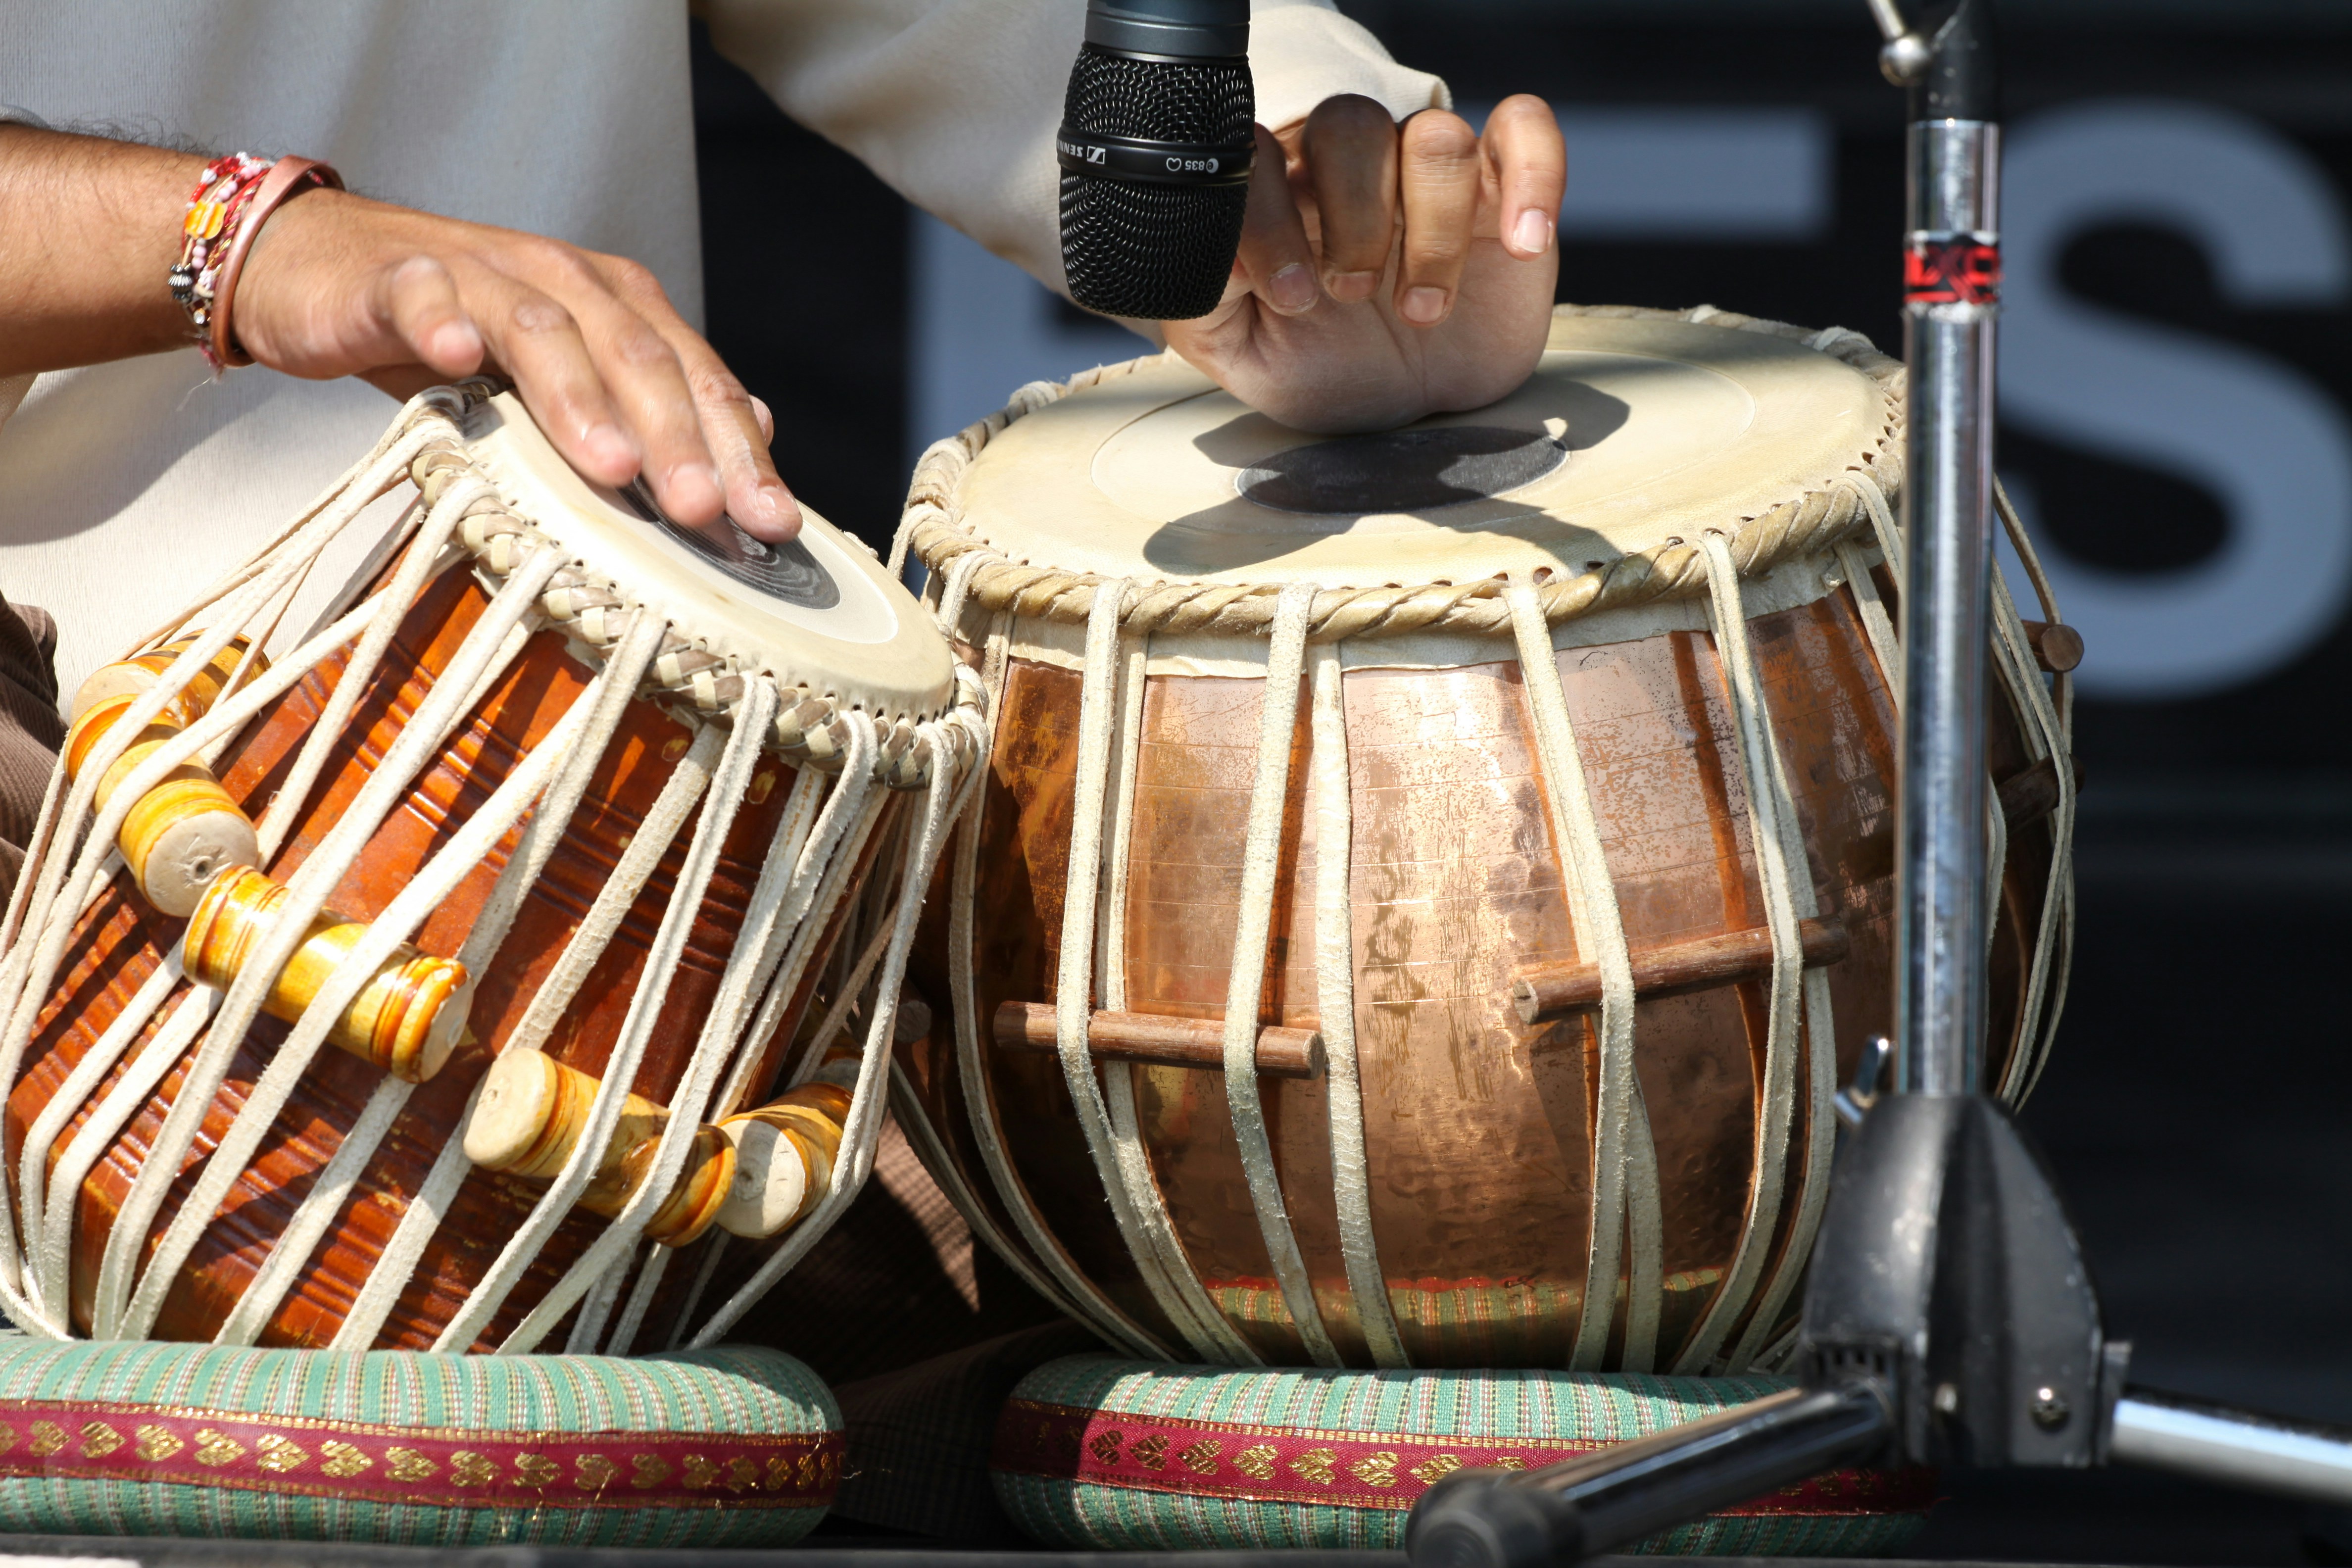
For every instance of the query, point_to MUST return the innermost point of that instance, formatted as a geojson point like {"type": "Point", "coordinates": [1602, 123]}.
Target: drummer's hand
{"type": "Point", "coordinates": [340, 285]}
{"type": "Point", "coordinates": [1389, 271]}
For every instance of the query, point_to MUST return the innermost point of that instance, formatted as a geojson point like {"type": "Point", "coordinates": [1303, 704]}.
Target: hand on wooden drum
{"type": "Point", "coordinates": [619, 381]}
{"type": "Point", "coordinates": [1387, 271]}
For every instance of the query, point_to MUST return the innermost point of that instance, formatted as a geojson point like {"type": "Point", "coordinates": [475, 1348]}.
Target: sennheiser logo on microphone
{"type": "Point", "coordinates": [1152, 163]}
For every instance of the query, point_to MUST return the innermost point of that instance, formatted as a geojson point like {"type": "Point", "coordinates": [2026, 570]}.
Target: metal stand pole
{"type": "Point", "coordinates": [1951, 306]}
{"type": "Point", "coordinates": [1949, 1317]}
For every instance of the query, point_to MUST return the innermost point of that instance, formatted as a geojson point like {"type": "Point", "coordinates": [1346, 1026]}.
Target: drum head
{"type": "Point", "coordinates": [818, 611]}
{"type": "Point", "coordinates": [1632, 434]}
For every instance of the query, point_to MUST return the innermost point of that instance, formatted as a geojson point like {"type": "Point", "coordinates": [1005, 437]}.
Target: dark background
{"type": "Point", "coordinates": [2195, 1112]}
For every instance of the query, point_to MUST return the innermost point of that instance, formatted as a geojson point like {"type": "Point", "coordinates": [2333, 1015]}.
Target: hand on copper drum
{"type": "Point", "coordinates": [1388, 270]}
{"type": "Point", "coordinates": [340, 285]}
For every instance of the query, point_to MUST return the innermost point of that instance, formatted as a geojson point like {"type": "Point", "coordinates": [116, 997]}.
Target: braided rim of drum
{"type": "Point", "coordinates": [1844, 525]}
{"type": "Point", "coordinates": [736, 714]}
{"type": "Point", "coordinates": [934, 527]}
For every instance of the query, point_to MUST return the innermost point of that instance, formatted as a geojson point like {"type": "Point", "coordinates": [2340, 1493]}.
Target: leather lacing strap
{"type": "Point", "coordinates": [1096, 1308]}
{"type": "Point", "coordinates": [1335, 995]}
{"type": "Point", "coordinates": [123, 1312]}
{"type": "Point", "coordinates": [947, 799]}
{"type": "Point", "coordinates": [1797, 1008]}
{"type": "Point", "coordinates": [1134, 1206]}
{"type": "Point", "coordinates": [1245, 981]}
{"type": "Point", "coordinates": [1624, 1155]}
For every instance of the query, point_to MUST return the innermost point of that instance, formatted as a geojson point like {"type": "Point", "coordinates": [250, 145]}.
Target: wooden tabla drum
{"type": "Point", "coordinates": [431, 985]}
{"type": "Point", "coordinates": [1429, 885]}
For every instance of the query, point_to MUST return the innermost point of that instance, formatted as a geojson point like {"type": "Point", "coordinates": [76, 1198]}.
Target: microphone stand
{"type": "Point", "coordinates": [1949, 1317]}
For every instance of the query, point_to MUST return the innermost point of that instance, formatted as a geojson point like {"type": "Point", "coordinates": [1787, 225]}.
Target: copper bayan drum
{"type": "Point", "coordinates": [1429, 883]}
{"type": "Point", "coordinates": [422, 988]}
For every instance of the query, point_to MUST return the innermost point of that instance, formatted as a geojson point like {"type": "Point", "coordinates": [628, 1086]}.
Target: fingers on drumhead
{"type": "Point", "coordinates": [1274, 249]}
{"type": "Point", "coordinates": [1528, 161]}
{"type": "Point", "coordinates": [1439, 172]}
{"type": "Point", "coordinates": [1349, 145]}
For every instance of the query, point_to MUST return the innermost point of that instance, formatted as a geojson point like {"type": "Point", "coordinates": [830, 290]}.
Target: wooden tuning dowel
{"type": "Point", "coordinates": [186, 830]}
{"type": "Point", "coordinates": [2032, 795]}
{"type": "Point", "coordinates": [405, 1020]}
{"type": "Point", "coordinates": [1162, 1041]}
{"type": "Point", "coordinates": [2057, 647]}
{"type": "Point", "coordinates": [530, 1118]}
{"type": "Point", "coordinates": [1558, 990]}
{"type": "Point", "coordinates": [784, 1153]}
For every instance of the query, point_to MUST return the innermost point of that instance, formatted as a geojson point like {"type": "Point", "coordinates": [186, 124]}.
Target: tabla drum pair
{"type": "Point", "coordinates": [438, 984]}
{"type": "Point", "coordinates": [1428, 886]}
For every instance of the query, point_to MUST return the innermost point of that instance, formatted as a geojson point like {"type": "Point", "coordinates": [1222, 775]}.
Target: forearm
{"type": "Point", "coordinates": [83, 260]}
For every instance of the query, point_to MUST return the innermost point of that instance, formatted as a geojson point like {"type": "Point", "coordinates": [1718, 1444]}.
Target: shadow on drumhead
{"type": "Point", "coordinates": [1424, 469]}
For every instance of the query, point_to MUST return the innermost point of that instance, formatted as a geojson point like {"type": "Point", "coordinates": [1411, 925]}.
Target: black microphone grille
{"type": "Point", "coordinates": [1154, 247]}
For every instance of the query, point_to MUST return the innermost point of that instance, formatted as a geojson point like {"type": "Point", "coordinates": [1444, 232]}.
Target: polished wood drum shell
{"type": "Point", "coordinates": [123, 943]}
{"type": "Point", "coordinates": [597, 798]}
{"type": "Point", "coordinates": [1487, 1136]}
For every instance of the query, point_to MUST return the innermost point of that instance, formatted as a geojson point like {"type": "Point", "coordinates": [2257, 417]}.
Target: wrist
{"type": "Point", "coordinates": [82, 284]}
{"type": "Point", "coordinates": [230, 203]}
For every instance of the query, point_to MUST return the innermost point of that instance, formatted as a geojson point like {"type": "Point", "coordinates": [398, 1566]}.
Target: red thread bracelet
{"type": "Point", "coordinates": [233, 198]}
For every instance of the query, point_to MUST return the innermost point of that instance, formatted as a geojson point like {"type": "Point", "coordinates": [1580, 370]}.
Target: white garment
{"type": "Point", "coordinates": [124, 487]}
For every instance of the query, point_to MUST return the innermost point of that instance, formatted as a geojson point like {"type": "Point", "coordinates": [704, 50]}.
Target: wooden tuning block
{"type": "Point", "coordinates": [530, 1116]}
{"type": "Point", "coordinates": [133, 676]}
{"type": "Point", "coordinates": [406, 1020]}
{"type": "Point", "coordinates": [755, 1174]}
{"type": "Point", "coordinates": [186, 830]}
{"type": "Point", "coordinates": [784, 1155]}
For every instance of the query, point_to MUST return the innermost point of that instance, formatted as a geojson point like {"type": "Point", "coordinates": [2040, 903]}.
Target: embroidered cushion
{"type": "Point", "coordinates": [731, 1446]}
{"type": "Point", "coordinates": [1094, 1451]}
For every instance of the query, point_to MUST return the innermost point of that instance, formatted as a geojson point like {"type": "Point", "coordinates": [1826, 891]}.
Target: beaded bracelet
{"type": "Point", "coordinates": [234, 197]}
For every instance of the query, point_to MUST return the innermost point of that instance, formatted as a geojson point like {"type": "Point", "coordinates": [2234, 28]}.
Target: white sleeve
{"type": "Point", "coordinates": [954, 103]}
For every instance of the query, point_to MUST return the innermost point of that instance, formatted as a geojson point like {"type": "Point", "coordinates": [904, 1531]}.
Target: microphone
{"type": "Point", "coordinates": [1157, 135]}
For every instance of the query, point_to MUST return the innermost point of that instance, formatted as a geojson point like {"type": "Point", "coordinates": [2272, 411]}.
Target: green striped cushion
{"type": "Point", "coordinates": [731, 1446]}
{"type": "Point", "coordinates": [1096, 1452]}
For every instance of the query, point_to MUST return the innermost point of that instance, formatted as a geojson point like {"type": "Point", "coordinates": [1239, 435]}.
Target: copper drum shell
{"type": "Point", "coordinates": [120, 942]}
{"type": "Point", "coordinates": [1478, 1127]}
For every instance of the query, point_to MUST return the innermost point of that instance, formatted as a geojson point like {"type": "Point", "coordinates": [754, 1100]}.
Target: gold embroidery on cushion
{"type": "Point", "coordinates": [1376, 1470]}
{"type": "Point", "coordinates": [343, 1461]}
{"type": "Point", "coordinates": [408, 1465]}
{"type": "Point", "coordinates": [1428, 1472]}
{"type": "Point", "coordinates": [467, 1468]}
{"type": "Point", "coordinates": [1316, 1466]}
{"type": "Point", "coordinates": [99, 1439]}
{"type": "Point", "coordinates": [741, 1473]}
{"type": "Point", "coordinates": [47, 1438]}
{"type": "Point", "coordinates": [699, 1472]}
{"type": "Point", "coordinates": [1200, 1458]}
{"type": "Point", "coordinates": [7, 1439]}
{"type": "Point", "coordinates": [813, 1468]}
{"type": "Point", "coordinates": [217, 1448]}
{"type": "Point", "coordinates": [779, 1473]}
{"type": "Point", "coordinates": [1256, 1461]}
{"type": "Point", "coordinates": [280, 1455]}
{"type": "Point", "coordinates": [652, 1470]}
{"type": "Point", "coordinates": [1510, 1462]}
{"type": "Point", "coordinates": [536, 1469]}
{"type": "Point", "coordinates": [1151, 1453]}
{"type": "Point", "coordinates": [596, 1472]}
{"type": "Point", "coordinates": [158, 1443]}
{"type": "Point", "coordinates": [1105, 1446]}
